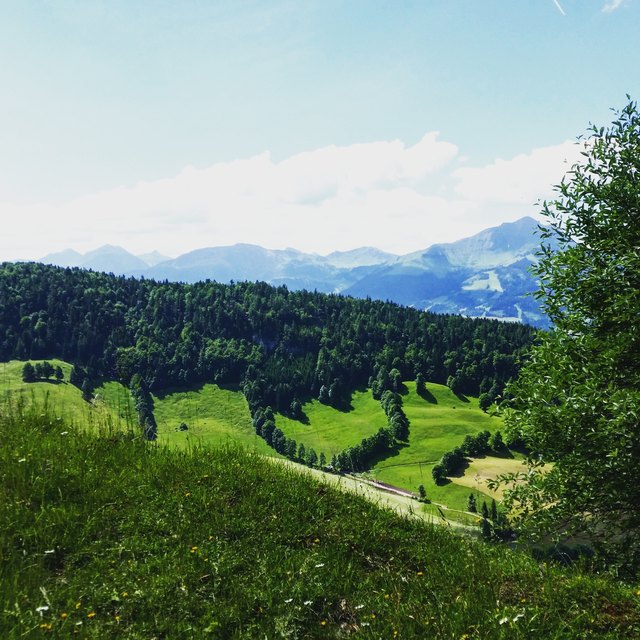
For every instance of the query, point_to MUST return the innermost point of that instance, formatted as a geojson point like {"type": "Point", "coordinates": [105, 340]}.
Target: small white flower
{"type": "Point", "coordinates": [288, 600]}
{"type": "Point", "coordinates": [503, 620]}
{"type": "Point", "coordinates": [308, 602]}
{"type": "Point", "coordinates": [22, 460]}
{"type": "Point", "coordinates": [64, 433]}
{"type": "Point", "coordinates": [320, 564]}
{"type": "Point", "coordinates": [49, 551]}
{"type": "Point", "coordinates": [520, 615]}
{"type": "Point", "coordinates": [42, 609]}
{"type": "Point", "coordinates": [359, 606]}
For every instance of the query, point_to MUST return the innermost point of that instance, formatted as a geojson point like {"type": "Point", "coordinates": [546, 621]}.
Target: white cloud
{"type": "Point", "coordinates": [612, 5]}
{"type": "Point", "coordinates": [378, 193]}
{"type": "Point", "coordinates": [522, 180]}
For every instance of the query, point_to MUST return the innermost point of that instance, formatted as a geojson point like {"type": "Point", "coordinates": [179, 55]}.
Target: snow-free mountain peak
{"type": "Point", "coordinates": [486, 274]}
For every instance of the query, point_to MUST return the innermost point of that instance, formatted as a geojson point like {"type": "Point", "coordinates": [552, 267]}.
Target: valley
{"type": "Point", "coordinates": [215, 416]}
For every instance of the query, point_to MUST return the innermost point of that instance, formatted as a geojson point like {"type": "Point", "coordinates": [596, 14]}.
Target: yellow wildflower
{"type": "Point", "coordinates": [91, 614]}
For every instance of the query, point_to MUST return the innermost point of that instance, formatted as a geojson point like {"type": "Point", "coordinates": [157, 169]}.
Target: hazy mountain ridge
{"type": "Point", "coordinates": [484, 275]}
{"type": "Point", "coordinates": [108, 258]}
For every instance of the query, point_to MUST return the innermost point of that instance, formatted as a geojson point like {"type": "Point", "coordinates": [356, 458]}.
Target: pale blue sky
{"type": "Point", "coordinates": [99, 96]}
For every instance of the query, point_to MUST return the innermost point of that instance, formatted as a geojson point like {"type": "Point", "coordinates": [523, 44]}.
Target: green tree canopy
{"type": "Point", "coordinates": [577, 400]}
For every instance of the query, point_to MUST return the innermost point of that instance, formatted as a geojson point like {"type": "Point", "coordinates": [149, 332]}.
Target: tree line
{"type": "Point", "coordinates": [281, 347]}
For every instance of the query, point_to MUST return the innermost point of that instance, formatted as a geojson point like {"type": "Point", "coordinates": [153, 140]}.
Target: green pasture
{"type": "Point", "coordinates": [213, 415]}
{"type": "Point", "coordinates": [329, 430]}
{"type": "Point", "coordinates": [439, 422]}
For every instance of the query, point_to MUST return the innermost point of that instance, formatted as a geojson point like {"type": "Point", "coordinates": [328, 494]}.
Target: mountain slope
{"type": "Point", "coordinates": [485, 275]}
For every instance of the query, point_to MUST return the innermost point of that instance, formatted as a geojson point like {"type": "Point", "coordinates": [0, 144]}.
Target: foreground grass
{"type": "Point", "coordinates": [109, 536]}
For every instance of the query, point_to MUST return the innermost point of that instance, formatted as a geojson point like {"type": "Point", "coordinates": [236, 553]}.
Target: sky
{"type": "Point", "coordinates": [320, 125]}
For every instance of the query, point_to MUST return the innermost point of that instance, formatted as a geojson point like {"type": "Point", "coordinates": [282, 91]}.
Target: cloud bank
{"type": "Point", "coordinates": [387, 194]}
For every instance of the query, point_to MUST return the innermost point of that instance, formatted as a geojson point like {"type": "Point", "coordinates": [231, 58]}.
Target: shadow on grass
{"type": "Point", "coordinates": [425, 394]}
{"type": "Point", "coordinates": [194, 387]}
{"type": "Point", "coordinates": [461, 397]}
{"type": "Point", "coordinates": [502, 453]}
{"type": "Point", "coordinates": [387, 455]}
{"type": "Point", "coordinates": [345, 405]}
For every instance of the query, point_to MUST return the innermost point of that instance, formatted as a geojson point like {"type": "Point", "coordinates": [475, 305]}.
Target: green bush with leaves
{"type": "Point", "coordinates": [577, 401]}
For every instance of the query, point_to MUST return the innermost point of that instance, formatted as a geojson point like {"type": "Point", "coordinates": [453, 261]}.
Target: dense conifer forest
{"type": "Point", "coordinates": [280, 347]}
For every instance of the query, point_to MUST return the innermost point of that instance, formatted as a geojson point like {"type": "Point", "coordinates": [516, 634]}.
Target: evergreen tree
{"type": "Point", "coordinates": [487, 532]}
{"type": "Point", "coordinates": [471, 504]}
{"type": "Point", "coordinates": [86, 389]}
{"type": "Point", "coordinates": [484, 401]}
{"type": "Point", "coordinates": [439, 473]}
{"type": "Point", "coordinates": [485, 510]}
{"type": "Point", "coordinates": [76, 376]}
{"type": "Point", "coordinates": [47, 369]}
{"type": "Point", "coordinates": [59, 374]}
{"type": "Point", "coordinates": [28, 373]}
{"type": "Point", "coordinates": [311, 458]}
{"type": "Point", "coordinates": [494, 511]}
{"type": "Point", "coordinates": [323, 395]}
{"type": "Point", "coordinates": [496, 443]}
{"type": "Point", "coordinates": [420, 384]}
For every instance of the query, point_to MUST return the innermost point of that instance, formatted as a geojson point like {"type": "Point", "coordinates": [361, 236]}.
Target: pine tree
{"type": "Point", "coordinates": [28, 373]}
{"type": "Point", "coordinates": [471, 504]}
{"type": "Point", "coordinates": [485, 510]}
{"type": "Point", "coordinates": [486, 529]}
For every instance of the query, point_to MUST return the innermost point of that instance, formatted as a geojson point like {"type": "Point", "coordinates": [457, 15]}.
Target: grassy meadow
{"type": "Point", "coordinates": [219, 416]}
{"type": "Point", "coordinates": [214, 416]}
{"type": "Point", "coordinates": [439, 422]}
{"type": "Point", "coordinates": [329, 430]}
{"type": "Point", "coordinates": [105, 535]}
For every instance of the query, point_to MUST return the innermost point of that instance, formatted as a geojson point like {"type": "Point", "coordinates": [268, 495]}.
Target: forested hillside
{"type": "Point", "coordinates": [281, 348]}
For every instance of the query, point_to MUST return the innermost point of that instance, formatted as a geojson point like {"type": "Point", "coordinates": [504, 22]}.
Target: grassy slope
{"type": "Point", "coordinates": [438, 424]}
{"type": "Point", "coordinates": [214, 416]}
{"type": "Point", "coordinates": [329, 430]}
{"type": "Point", "coordinates": [219, 416]}
{"type": "Point", "coordinates": [115, 537]}
{"type": "Point", "coordinates": [112, 401]}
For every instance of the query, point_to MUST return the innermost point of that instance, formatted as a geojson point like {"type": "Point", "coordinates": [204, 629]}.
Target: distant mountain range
{"type": "Point", "coordinates": [485, 275]}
